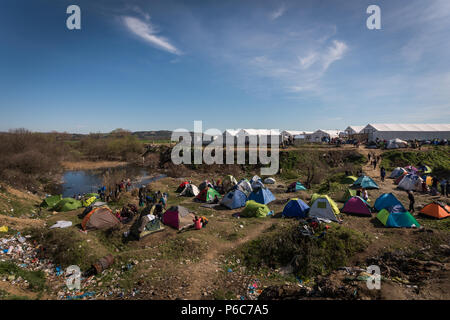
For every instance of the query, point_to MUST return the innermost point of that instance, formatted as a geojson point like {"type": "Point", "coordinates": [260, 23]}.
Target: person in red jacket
{"type": "Point", "coordinates": [197, 223]}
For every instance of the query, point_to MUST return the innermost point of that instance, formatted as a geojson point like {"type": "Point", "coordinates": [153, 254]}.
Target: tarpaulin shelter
{"type": "Point", "coordinates": [296, 208]}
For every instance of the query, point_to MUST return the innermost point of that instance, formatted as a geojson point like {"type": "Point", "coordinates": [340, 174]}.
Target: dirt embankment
{"type": "Point", "coordinates": [91, 165]}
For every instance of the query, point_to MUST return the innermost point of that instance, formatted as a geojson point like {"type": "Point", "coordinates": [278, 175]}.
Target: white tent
{"type": "Point", "coordinates": [318, 135]}
{"type": "Point", "coordinates": [411, 182]}
{"type": "Point", "coordinates": [190, 190]}
{"type": "Point", "coordinates": [354, 130]}
{"type": "Point", "coordinates": [321, 209]}
{"type": "Point", "coordinates": [384, 131]}
{"type": "Point", "coordinates": [396, 144]}
{"type": "Point", "coordinates": [397, 172]}
{"type": "Point", "coordinates": [249, 135]}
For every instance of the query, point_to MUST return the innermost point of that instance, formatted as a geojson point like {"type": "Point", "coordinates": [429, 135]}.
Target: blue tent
{"type": "Point", "coordinates": [262, 195]}
{"type": "Point", "coordinates": [295, 208]}
{"type": "Point", "coordinates": [365, 182]}
{"type": "Point", "coordinates": [234, 199]}
{"type": "Point", "coordinates": [387, 200]}
{"type": "Point", "coordinates": [296, 186]}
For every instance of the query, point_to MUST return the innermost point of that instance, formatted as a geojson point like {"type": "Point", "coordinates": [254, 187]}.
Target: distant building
{"type": "Point", "coordinates": [407, 131]}
{"type": "Point", "coordinates": [319, 135]}
{"type": "Point", "coordinates": [351, 130]}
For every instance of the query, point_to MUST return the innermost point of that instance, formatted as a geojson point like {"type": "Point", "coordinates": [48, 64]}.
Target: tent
{"type": "Point", "coordinates": [269, 180]}
{"type": "Point", "coordinates": [255, 209]}
{"type": "Point", "coordinates": [208, 195]}
{"type": "Point", "coordinates": [228, 183]}
{"type": "Point", "coordinates": [182, 186]}
{"type": "Point", "coordinates": [234, 199]}
{"type": "Point", "coordinates": [262, 195]}
{"type": "Point", "coordinates": [397, 172]}
{"type": "Point", "coordinates": [396, 143]}
{"type": "Point", "coordinates": [357, 205]}
{"type": "Point", "coordinates": [348, 194]}
{"type": "Point", "coordinates": [178, 217]}
{"type": "Point", "coordinates": [425, 169]}
{"type": "Point", "coordinates": [190, 190]}
{"type": "Point", "coordinates": [295, 186]}
{"type": "Point", "coordinates": [244, 185]}
{"type": "Point", "coordinates": [323, 207]}
{"type": "Point", "coordinates": [436, 210]}
{"type": "Point", "coordinates": [205, 184]}
{"type": "Point", "coordinates": [51, 201]}
{"type": "Point", "coordinates": [411, 169]}
{"type": "Point", "coordinates": [387, 200]}
{"type": "Point", "coordinates": [349, 180]}
{"type": "Point", "coordinates": [146, 225]}
{"type": "Point", "coordinates": [87, 201]}
{"type": "Point", "coordinates": [411, 182]}
{"type": "Point", "coordinates": [257, 185]}
{"type": "Point", "coordinates": [398, 179]}
{"type": "Point", "coordinates": [255, 178]}
{"type": "Point", "coordinates": [67, 204]}
{"type": "Point", "coordinates": [365, 182]}
{"type": "Point", "coordinates": [402, 219]}
{"type": "Point", "coordinates": [295, 208]}
{"type": "Point", "coordinates": [100, 218]}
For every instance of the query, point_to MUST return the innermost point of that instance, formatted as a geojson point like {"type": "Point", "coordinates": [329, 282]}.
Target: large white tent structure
{"type": "Point", "coordinates": [318, 135]}
{"type": "Point", "coordinates": [257, 135]}
{"type": "Point", "coordinates": [351, 130]}
{"type": "Point", "coordinates": [295, 134]}
{"type": "Point", "coordinates": [407, 131]}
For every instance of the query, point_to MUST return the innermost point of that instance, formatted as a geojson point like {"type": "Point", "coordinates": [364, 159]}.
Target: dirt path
{"type": "Point", "coordinates": [200, 275]}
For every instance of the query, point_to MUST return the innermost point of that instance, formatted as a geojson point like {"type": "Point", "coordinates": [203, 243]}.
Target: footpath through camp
{"type": "Point", "coordinates": [309, 232]}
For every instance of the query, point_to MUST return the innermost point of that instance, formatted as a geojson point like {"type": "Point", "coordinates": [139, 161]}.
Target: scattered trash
{"type": "Point", "coordinates": [61, 224]}
{"type": "Point", "coordinates": [4, 229]}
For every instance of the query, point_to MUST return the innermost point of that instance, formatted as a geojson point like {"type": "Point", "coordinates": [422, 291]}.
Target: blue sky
{"type": "Point", "coordinates": [151, 65]}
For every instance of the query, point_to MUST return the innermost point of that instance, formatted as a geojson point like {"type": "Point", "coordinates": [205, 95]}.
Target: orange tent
{"type": "Point", "coordinates": [436, 211]}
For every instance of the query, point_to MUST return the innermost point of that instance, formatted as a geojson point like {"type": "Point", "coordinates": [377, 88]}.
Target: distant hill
{"type": "Point", "coordinates": [153, 135]}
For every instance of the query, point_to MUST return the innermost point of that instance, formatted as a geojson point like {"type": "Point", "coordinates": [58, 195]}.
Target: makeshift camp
{"type": "Point", "coordinates": [146, 225]}
{"type": "Point", "coordinates": [364, 182]}
{"type": "Point", "coordinates": [411, 182]}
{"type": "Point", "coordinates": [182, 186]}
{"type": "Point", "coordinates": [269, 181]}
{"type": "Point", "coordinates": [100, 218]}
{"type": "Point", "coordinates": [257, 185]}
{"type": "Point", "coordinates": [190, 190]}
{"type": "Point", "coordinates": [255, 178]}
{"type": "Point", "coordinates": [295, 208]}
{"type": "Point", "coordinates": [234, 199]}
{"type": "Point", "coordinates": [357, 205]}
{"type": "Point", "coordinates": [50, 201]}
{"type": "Point", "coordinates": [254, 209]}
{"type": "Point", "coordinates": [323, 207]}
{"type": "Point", "coordinates": [400, 178]}
{"type": "Point", "coordinates": [411, 169]}
{"type": "Point", "coordinates": [67, 204]}
{"type": "Point", "coordinates": [348, 180]}
{"type": "Point", "coordinates": [397, 219]}
{"type": "Point", "coordinates": [228, 183]}
{"type": "Point", "coordinates": [245, 186]}
{"type": "Point", "coordinates": [295, 186]}
{"type": "Point", "coordinates": [178, 217]}
{"type": "Point", "coordinates": [348, 194]}
{"type": "Point", "coordinates": [436, 210]}
{"type": "Point", "coordinates": [208, 195]}
{"type": "Point", "coordinates": [387, 200]}
{"type": "Point", "coordinates": [262, 195]}
{"type": "Point", "coordinates": [397, 172]}
{"type": "Point", "coordinates": [396, 144]}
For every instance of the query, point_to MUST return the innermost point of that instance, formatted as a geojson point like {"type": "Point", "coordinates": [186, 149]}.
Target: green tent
{"type": "Point", "coordinates": [348, 180]}
{"type": "Point", "coordinates": [51, 201]}
{"type": "Point", "coordinates": [348, 194]}
{"type": "Point", "coordinates": [402, 219]}
{"type": "Point", "coordinates": [255, 209]}
{"type": "Point", "coordinates": [365, 182]}
{"type": "Point", "coordinates": [67, 204]}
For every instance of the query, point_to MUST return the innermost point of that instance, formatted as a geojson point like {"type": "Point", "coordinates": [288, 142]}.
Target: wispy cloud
{"type": "Point", "coordinates": [278, 12]}
{"type": "Point", "coordinates": [147, 32]}
{"type": "Point", "coordinates": [334, 53]}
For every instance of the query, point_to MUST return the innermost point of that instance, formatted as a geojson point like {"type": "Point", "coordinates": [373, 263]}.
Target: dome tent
{"type": "Point", "coordinates": [323, 207]}
{"type": "Point", "coordinates": [269, 181]}
{"type": "Point", "coordinates": [411, 182]}
{"type": "Point", "coordinates": [100, 218]}
{"type": "Point", "coordinates": [387, 200]}
{"type": "Point", "coordinates": [436, 210]}
{"type": "Point", "coordinates": [67, 204]}
{"type": "Point", "coordinates": [234, 199]}
{"type": "Point", "coordinates": [295, 208]}
{"type": "Point", "coordinates": [178, 217]}
{"type": "Point", "coordinates": [365, 182]}
{"type": "Point", "coordinates": [245, 186]}
{"type": "Point", "coordinates": [190, 190]}
{"type": "Point", "coordinates": [255, 209]}
{"type": "Point", "coordinates": [262, 195]}
{"type": "Point", "coordinates": [357, 205]}
{"type": "Point", "coordinates": [208, 195]}
{"type": "Point", "coordinates": [397, 172]}
{"type": "Point", "coordinates": [228, 183]}
{"type": "Point", "coordinates": [295, 186]}
{"type": "Point", "coordinates": [397, 219]}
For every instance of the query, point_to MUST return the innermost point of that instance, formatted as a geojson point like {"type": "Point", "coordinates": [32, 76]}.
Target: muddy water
{"type": "Point", "coordinates": [86, 181]}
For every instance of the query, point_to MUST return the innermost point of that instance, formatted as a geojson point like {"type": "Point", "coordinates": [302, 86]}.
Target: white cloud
{"type": "Point", "coordinates": [309, 60]}
{"type": "Point", "coordinates": [334, 53]}
{"type": "Point", "coordinates": [147, 32]}
{"type": "Point", "coordinates": [278, 13]}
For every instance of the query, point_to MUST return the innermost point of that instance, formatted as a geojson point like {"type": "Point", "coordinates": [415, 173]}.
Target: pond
{"type": "Point", "coordinates": [86, 181]}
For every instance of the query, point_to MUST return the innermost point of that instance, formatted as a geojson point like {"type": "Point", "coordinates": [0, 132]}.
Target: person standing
{"type": "Point", "coordinates": [443, 184]}
{"type": "Point", "coordinates": [382, 173]}
{"type": "Point", "coordinates": [447, 188]}
{"type": "Point", "coordinates": [374, 163]}
{"type": "Point", "coordinates": [411, 201]}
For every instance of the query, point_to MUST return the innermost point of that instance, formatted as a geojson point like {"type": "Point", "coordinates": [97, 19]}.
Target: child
{"type": "Point", "coordinates": [197, 223]}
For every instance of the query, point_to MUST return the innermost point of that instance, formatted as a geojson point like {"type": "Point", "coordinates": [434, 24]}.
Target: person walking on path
{"type": "Point", "coordinates": [382, 173]}
{"type": "Point", "coordinates": [411, 201]}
